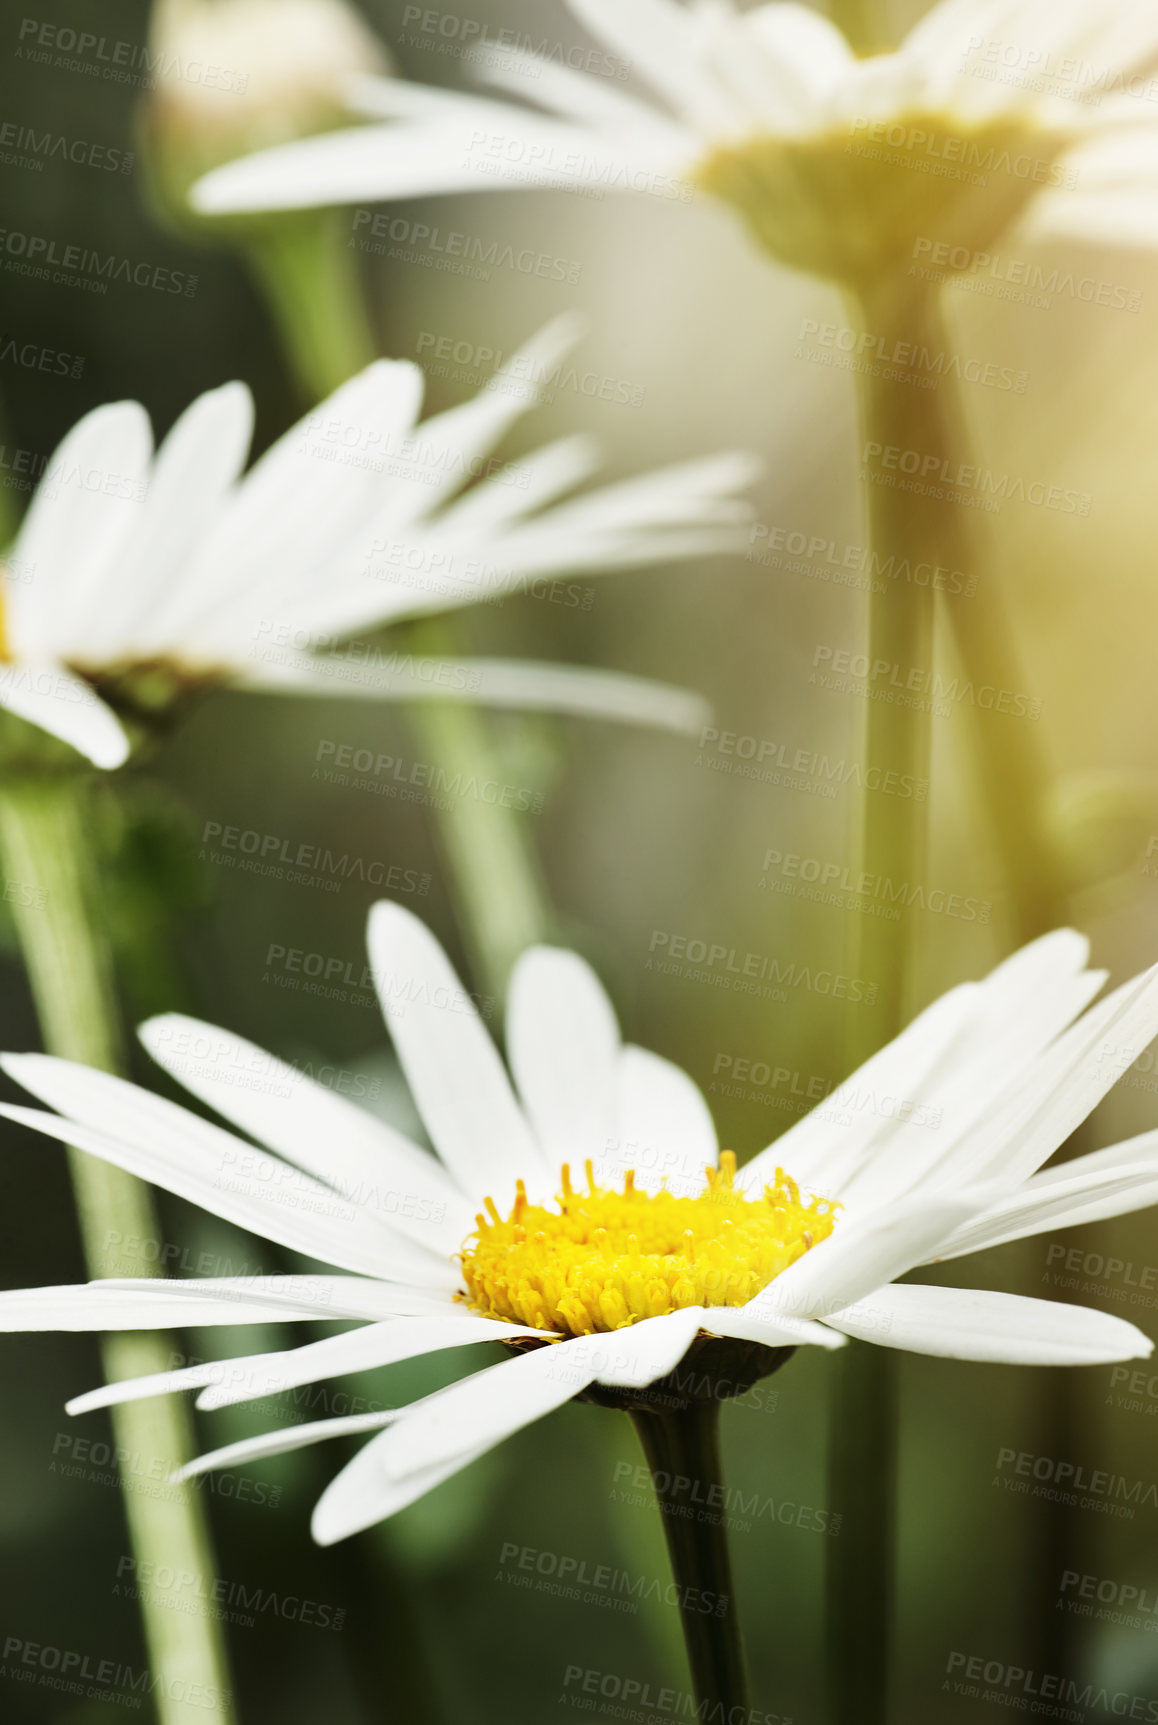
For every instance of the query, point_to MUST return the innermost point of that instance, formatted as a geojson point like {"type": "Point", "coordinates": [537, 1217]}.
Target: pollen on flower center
{"type": "Point", "coordinates": [606, 1259]}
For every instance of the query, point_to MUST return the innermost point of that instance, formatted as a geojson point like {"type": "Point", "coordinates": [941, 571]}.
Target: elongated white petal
{"type": "Point", "coordinates": [364, 1493]}
{"type": "Point", "coordinates": [248, 1376]}
{"type": "Point", "coordinates": [665, 1130]}
{"type": "Point", "coordinates": [459, 151]}
{"type": "Point", "coordinates": [481, 1410]}
{"type": "Point", "coordinates": [975, 1324]}
{"type": "Point", "coordinates": [491, 1405]}
{"type": "Point", "coordinates": [861, 1254]}
{"type": "Point", "coordinates": [117, 1306]}
{"type": "Point", "coordinates": [517, 685]}
{"type": "Point", "coordinates": [243, 1185]}
{"type": "Point", "coordinates": [821, 1151]}
{"type": "Point", "coordinates": [283, 1442]}
{"type": "Point", "coordinates": [563, 1047]}
{"type": "Point", "coordinates": [1088, 1195]}
{"type": "Point", "coordinates": [1066, 1084]}
{"type": "Point", "coordinates": [359, 1350]}
{"type": "Point", "coordinates": [452, 1067]}
{"type": "Point", "coordinates": [322, 1296]}
{"type": "Point", "coordinates": [365, 1160]}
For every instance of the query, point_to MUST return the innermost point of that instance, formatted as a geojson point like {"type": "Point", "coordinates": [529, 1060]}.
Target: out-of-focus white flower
{"type": "Point", "coordinates": [234, 75]}
{"type": "Point", "coordinates": [136, 575]}
{"type": "Point", "coordinates": [837, 163]}
{"type": "Point", "coordinates": [930, 1151]}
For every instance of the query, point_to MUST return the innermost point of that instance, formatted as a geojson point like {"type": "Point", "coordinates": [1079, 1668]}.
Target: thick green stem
{"type": "Point", "coordinates": [903, 527]}
{"type": "Point", "coordinates": [683, 1445]}
{"type": "Point", "coordinates": [42, 836]}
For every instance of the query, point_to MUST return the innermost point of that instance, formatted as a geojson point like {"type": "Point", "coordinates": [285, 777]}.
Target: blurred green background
{"type": "Point", "coordinates": [641, 837]}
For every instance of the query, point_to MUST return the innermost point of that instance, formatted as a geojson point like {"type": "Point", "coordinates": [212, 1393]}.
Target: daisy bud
{"type": "Point", "coordinates": [239, 75]}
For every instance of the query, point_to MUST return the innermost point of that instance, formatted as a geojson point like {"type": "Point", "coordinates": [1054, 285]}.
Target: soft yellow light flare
{"type": "Point", "coordinates": [606, 1259]}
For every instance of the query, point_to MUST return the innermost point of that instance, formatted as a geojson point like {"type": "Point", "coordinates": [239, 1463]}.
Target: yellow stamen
{"type": "Point", "coordinates": [604, 1259]}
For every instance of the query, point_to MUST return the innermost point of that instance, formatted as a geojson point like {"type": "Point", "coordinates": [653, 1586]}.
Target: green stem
{"type": "Point", "coordinates": [682, 1445]}
{"type": "Point", "coordinates": [902, 525]}
{"type": "Point", "coordinates": [494, 874]}
{"type": "Point", "coordinates": [310, 281]}
{"type": "Point", "coordinates": [42, 836]}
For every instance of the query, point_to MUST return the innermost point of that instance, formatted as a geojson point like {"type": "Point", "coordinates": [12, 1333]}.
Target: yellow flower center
{"type": "Point", "coordinates": [917, 190]}
{"type": "Point", "coordinates": [606, 1259]}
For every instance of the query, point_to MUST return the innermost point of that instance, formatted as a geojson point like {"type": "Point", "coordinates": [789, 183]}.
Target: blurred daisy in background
{"type": "Point", "coordinates": [836, 162]}
{"type": "Point", "coordinates": [138, 577]}
{"type": "Point", "coordinates": [602, 1280]}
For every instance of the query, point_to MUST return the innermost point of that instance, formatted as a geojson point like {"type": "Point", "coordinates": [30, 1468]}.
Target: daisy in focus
{"type": "Point", "coordinates": [839, 164]}
{"type": "Point", "coordinates": [577, 1210]}
{"type": "Point", "coordinates": [139, 577]}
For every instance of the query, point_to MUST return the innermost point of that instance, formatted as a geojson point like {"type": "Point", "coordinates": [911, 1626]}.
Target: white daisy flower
{"type": "Point", "coordinates": [600, 1283]}
{"type": "Point", "coordinates": [137, 576]}
{"type": "Point", "coordinates": [837, 163]}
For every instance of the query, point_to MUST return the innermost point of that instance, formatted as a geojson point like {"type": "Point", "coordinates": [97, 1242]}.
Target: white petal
{"type": "Point", "coordinates": [544, 475]}
{"type": "Point", "coordinates": [297, 518]}
{"type": "Point", "coordinates": [860, 1254]}
{"type": "Point", "coordinates": [1085, 1189]}
{"type": "Point", "coordinates": [364, 1493]}
{"type": "Point", "coordinates": [359, 1350]}
{"type": "Point", "coordinates": [518, 686]}
{"type": "Point", "coordinates": [1066, 1084]}
{"type": "Point", "coordinates": [192, 478]}
{"type": "Point", "coordinates": [481, 1410]}
{"type": "Point", "coordinates": [223, 1174]}
{"type": "Point", "coordinates": [774, 1330]}
{"type": "Point", "coordinates": [319, 1295]}
{"type": "Point", "coordinates": [640, 1353]}
{"type": "Point", "coordinates": [364, 1159]}
{"type": "Point", "coordinates": [665, 1132]}
{"type": "Point", "coordinates": [282, 1442]}
{"type": "Point", "coordinates": [485, 146]}
{"type": "Point", "coordinates": [49, 696]}
{"type": "Point", "coordinates": [150, 1305]}
{"type": "Point", "coordinates": [251, 1375]}
{"type": "Point", "coordinates": [975, 1324]}
{"type": "Point", "coordinates": [87, 506]}
{"type": "Point", "coordinates": [451, 1065]}
{"type": "Point", "coordinates": [820, 1151]}
{"type": "Point", "coordinates": [563, 1048]}
{"type": "Point", "coordinates": [657, 39]}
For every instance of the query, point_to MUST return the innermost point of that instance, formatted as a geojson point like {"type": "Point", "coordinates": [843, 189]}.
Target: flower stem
{"type": "Point", "coordinates": [309, 279]}
{"type": "Point", "coordinates": [683, 1445]}
{"type": "Point", "coordinates": [42, 836]}
{"type": "Point", "coordinates": [902, 525]}
{"type": "Point", "coordinates": [493, 869]}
